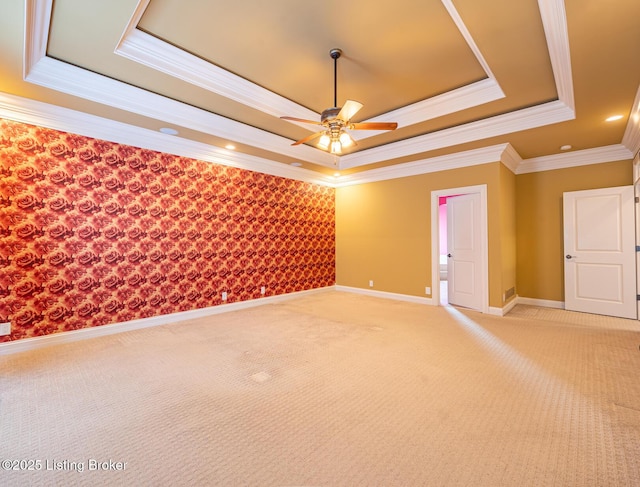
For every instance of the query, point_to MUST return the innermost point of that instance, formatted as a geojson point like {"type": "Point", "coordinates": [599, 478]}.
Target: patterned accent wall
{"type": "Point", "coordinates": [93, 232]}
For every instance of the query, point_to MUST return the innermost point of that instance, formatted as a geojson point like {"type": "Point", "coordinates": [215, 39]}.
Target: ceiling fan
{"type": "Point", "coordinates": [337, 120]}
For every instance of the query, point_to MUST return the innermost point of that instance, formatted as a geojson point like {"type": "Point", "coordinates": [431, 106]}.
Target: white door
{"type": "Point", "coordinates": [464, 244]}
{"type": "Point", "coordinates": [599, 251]}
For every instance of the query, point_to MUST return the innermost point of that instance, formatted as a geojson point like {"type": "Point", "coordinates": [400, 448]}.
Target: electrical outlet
{"type": "Point", "coordinates": [427, 290]}
{"type": "Point", "coordinates": [224, 295]}
{"type": "Point", "coordinates": [5, 328]}
{"type": "Point", "coordinates": [263, 290]}
{"type": "Point", "coordinates": [370, 283]}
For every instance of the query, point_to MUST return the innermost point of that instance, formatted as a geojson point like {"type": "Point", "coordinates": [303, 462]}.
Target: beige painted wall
{"type": "Point", "coordinates": [539, 262]}
{"type": "Point", "coordinates": [383, 230]}
{"type": "Point", "coordinates": [508, 219]}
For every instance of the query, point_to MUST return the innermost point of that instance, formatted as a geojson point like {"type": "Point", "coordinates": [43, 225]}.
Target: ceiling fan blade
{"type": "Point", "coordinates": [294, 119]}
{"type": "Point", "coordinates": [373, 126]}
{"type": "Point", "coordinates": [349, 109]}
{"type": "Point", "coordinates": [308, 138]}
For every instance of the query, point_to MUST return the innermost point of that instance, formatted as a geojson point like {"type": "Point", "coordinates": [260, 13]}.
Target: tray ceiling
{"type": "Point", "coordinates": [456, 76]}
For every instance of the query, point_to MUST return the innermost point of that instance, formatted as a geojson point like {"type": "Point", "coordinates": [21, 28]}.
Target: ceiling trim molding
{"type": "Point", "coordinates": [511, 159]}
{"type": "Point", "coordinates": [157, 54]}
{"type": "Point", "coordinates": [40, 69]}
{"type": "Point", "coordinates": [472, 95]}
{"type": "Point", "coordinates": [631, 138]}
{"type": "Point", "coordinates": [554, 22]}
{"type": "Point", "coordinates": [462, 27]}
{"type": "Point", "coordinates": [76, 81]}
{"type": "Point", "coordinates": [42, 114]}
{"type": "Point", "coordinates": [60, 76]}
{"type": "Point", "coordinates": [425, 166]}
{"type": "Point", "coordinates": [67, 120]}
{"type": "Point", "coordinates": [134, 20]}
{"type": "Point", "coordinates": [37, 16]}
{"type": "Point", "coordinates": [609, 153]}
{"type": "Point", "coordinates": [526, 118]}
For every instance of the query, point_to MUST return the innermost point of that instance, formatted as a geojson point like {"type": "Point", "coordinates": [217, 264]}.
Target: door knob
{"type": "Point", "coordinates": [449, 255]}
{"type": "Point", "coordinates": [569, 257]}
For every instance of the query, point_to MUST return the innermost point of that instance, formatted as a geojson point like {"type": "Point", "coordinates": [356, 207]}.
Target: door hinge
{"type": "Point", "coordinates": [637, 297]}
{"type": "Point", "coordinates": [637, 199]}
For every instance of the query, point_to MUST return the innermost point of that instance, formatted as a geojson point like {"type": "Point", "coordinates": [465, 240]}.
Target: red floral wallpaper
{"type": "Point", "coordinates": [93, 232]}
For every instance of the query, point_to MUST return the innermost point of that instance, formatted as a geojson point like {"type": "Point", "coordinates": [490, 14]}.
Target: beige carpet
{"type": "Point", "coordinates": [332, 389]}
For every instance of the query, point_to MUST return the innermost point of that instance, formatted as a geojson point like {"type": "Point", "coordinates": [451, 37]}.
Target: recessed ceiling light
{"type": "Point", "coordinates": [296, 164]}
{"type": "Point", "coordinates": [566, 147]}
{"type": "Point", "coordinates": [169, 131]}
{"type": "Point", "coordinates": [336, 174]}
{"type": "Point", "coordinates": [613, 118]}
{"type": "Point", "coordinates": [230, 147]}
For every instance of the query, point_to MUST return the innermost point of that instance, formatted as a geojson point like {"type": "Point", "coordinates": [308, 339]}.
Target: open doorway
{"type": "Point", "coordinates": [459, 236]}
{"type": "Point", "coordinates": [443, 249]}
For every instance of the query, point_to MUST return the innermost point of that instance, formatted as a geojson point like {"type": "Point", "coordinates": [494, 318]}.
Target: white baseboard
{"type": "Point", "coordinates": [509, 306]}
{"type": "Point", "coordinates": [505, 309]}
{"type": "Point", "coordinates": [545, 303]}
{"type": "Point", "coordinates": [528, 301]}
{"type": "Point", "coordinates": [385, 295]}
{"type": "Point", "coordinates": [97, 331]}
{"type": "Point", "coordinates": [27, 344]}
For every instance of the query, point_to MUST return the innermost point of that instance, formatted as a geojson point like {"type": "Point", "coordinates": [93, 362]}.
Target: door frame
{"type": "Point", "coordinates": [435, 240]}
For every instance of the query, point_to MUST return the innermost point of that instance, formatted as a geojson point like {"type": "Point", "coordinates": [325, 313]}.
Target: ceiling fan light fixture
{"type": "Point", "coordinates": [324, 141]}
{"type": "Point", "coordinates": [336, 147]}
{"type": "Point", "coordinates": [345, 139]}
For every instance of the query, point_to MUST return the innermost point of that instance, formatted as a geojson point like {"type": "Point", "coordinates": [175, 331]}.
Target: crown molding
{"type": "Point", "coordinates": [609, 153]}
{"type": "Point", "coordinates": [472, 95]}
{"type": "Point", "coordinates": [40, 69]}
{"type": "Point", "coordinates": [42, 114]}
{"type": "Point", "coordinates": [631, 138]}
{"type": "Point", "coordinates": [60, 76]}
{"type": "Point", "coordinates": [527, 118]}
{"type": "Point", "coordinates": [468, 158]}
{"type": "Point", "coordinates": [554, 22]}
{"type": "Point", "coordinates": [504, 153]}
{"type": "Point", "coordinates": [133, 22]}
{"type": "Point", "coordinates": [37, 16]}
{"type": "Point", "coordinates": [511, 159]}
{"type": "Point", "coordinates": [152, 52]}
{"type": "Point", "coordinates": [145, 49]}
{"type": "Point", "coordinates": [159, 55]}
{"type": "Point", "coordinates": [70, 79]}
{"type": "Point", "coordinates": [455, 16]}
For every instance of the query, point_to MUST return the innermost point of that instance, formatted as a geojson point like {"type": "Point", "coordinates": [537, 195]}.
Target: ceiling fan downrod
{"type": "Point", "coordinates": [335, 54]}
